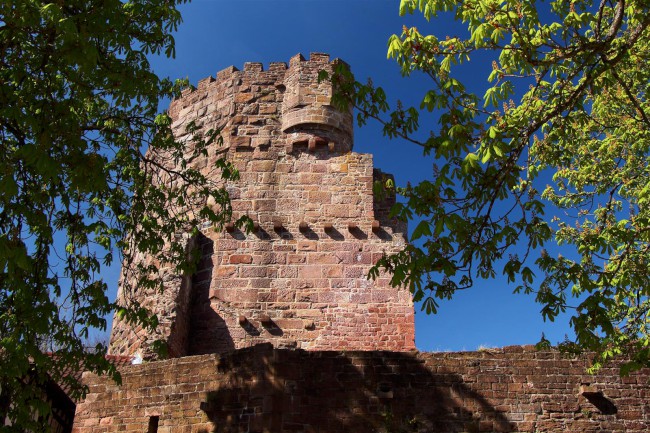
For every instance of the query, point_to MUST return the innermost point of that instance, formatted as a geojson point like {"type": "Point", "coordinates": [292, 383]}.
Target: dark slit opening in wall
{"type": "Point", "coordinates": [153, 424]}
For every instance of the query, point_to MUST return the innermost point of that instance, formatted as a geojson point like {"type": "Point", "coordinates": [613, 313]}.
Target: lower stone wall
{"type": "Point", "coordinates": [261, 389]}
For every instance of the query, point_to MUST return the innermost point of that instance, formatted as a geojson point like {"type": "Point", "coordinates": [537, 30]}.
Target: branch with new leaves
{"type": "Point", "coordinates": [552, 156]}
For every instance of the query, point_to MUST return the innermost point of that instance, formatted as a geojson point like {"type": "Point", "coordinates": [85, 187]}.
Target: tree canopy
{"type": "Point", "coordinates": [543, 175]}
{"type": "Point", "coordinates": [80, 186]}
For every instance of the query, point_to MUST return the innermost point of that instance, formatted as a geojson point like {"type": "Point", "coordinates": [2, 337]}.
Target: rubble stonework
{"type": "Point", "coordinates": [298, 282]}
{"type": "Point", "coordinates": [262, 389]}
{"type": "Point", "coordinates": [299, 279]}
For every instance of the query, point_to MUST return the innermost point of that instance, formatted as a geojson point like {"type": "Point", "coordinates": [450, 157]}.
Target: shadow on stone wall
{"type": "Point", "coordinates": [301, 391]}
{"type": "Point", "coordinates": [208, 332]}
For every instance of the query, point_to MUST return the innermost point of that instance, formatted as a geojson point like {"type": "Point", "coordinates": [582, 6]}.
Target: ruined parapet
{"type": "Point", "coordinates": [265, 389]}
{"type": "Point", "coordinates": [307, 113]}
{"type": "Point", "coordinates": [256, 108]}
{"type": "Point", "coordinates": [299, 279]}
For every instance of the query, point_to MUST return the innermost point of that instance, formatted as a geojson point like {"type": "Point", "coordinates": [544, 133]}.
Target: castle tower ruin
{"type": "Point", "coordinates": [299, 279]}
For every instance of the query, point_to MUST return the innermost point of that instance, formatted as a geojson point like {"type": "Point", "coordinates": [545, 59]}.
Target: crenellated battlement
{"type": "Point", "coordinates": [253, 106]}
{"type": "Point", "coordinates": [299, 279]}
{"type": "Point", "coordinates": [316, 62]}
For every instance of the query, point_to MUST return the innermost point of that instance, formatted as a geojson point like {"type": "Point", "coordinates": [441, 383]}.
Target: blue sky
{"type": "Point", "coordinates": [218, 33]}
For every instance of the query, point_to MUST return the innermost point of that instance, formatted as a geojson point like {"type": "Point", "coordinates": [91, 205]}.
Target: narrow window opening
{"type": "Point", "coordinates": [153, 424]}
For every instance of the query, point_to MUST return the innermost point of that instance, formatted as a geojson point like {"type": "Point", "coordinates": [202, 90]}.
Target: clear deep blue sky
{"type": "Point", "coordinates": [218, 33]}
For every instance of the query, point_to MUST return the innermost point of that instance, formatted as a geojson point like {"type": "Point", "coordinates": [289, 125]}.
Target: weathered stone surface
{"type": "Point", "coordinates": [298, 282]}
{"type": "Point", "coordinates": [303, 187]}
{"type": "Point", "coordinates": [262, 389]}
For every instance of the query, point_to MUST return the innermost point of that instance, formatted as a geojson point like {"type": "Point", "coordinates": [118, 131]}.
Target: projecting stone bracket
{"type": "Point", "coordinates": [247, 325]}
{"type": "Point", "coordinates": [308, 230]}
{"type": "Point", "coordinates": [270, 326]}
{"type": "Point", "coordinates": [310, 143]}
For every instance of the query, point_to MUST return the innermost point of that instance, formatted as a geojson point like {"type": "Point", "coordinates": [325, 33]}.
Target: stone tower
{"type": "Point", "coordinates": [299, 279]}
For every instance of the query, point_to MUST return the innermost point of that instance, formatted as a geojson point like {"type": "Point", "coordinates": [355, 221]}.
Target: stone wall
{"type": "Point", "coordinates": [299, 279]}
{"type": "Point", "coordinates": [262, 389]}
{"type": "Point", "coordinates": [286, 332]}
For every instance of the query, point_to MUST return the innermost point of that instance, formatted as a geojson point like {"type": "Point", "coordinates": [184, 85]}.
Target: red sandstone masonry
{"type": "Point", "coordinates": [261, 389]}
{"type": "Point", "coordinates": [299, 281]}
{"type": "Point", "coordinates": [305, 265]}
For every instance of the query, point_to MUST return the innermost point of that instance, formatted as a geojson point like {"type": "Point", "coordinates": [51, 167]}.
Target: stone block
{"type": "Point", "coordinates": [240, 258]}
{"type": "Point", "coordinates": [280, 270]}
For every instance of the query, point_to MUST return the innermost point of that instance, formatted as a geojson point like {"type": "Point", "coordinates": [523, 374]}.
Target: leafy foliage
{"type": "Point", "coordinates": [555, 150]}
{"type": "Point", "coordinates": [78, 106]}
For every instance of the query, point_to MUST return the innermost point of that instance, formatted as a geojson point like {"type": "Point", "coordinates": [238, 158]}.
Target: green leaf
{"type": "Point", "coordinates": [394, 46]}
{"type": "Point", "coordinates": [566, 135]}
{"type": "Point", "coordinates": [422, 229]}
{"type": "Point", "coordinates": [81, 131]}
